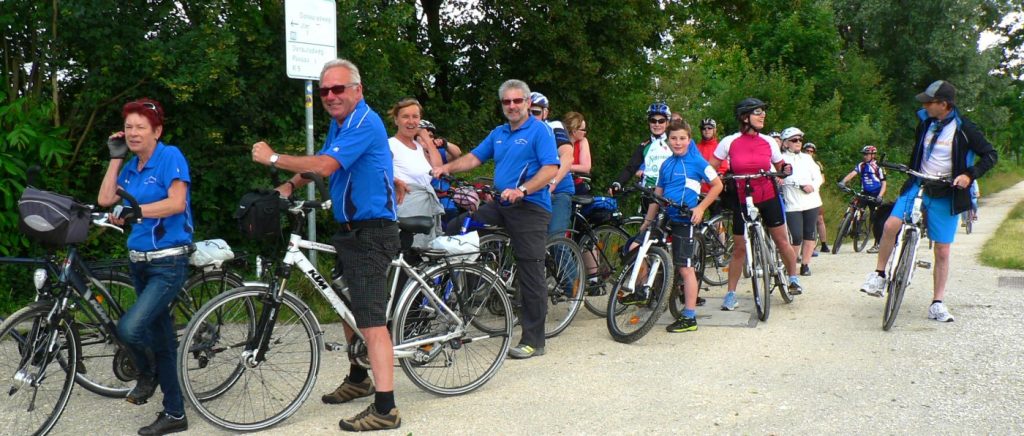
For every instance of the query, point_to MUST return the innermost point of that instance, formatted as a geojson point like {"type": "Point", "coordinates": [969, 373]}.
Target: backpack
{"type": "Point", "coordinates": [52, 219]}
{"type": "Point", "coordinates": [259, 215]}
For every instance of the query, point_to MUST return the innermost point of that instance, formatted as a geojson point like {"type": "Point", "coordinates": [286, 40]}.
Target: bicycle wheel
{"type": "Point", "coordinates": [633, 312]}
{"type": "Point", "coordinates": [38, 379]}
{"type": "Point", "coordinates": [200, 288]}
{"type": "Point", "coordinates": [778, 278]}
{"type": "Point", "coordinates": [219, 375]}
{"type": "Point", "coordinates": [496, 253]}
{"type": "Point", "coordinates": [677, 297]}
{"type": "Point", "coordinates": [844, 228]}
{"type": "Point", "coordinates": [563, 277]}
{"type": "Point", "coordinates": [860, 234]}
{"type": "Point", "coordinates": [968, 218]}
{"type": "Point", "coordinates": [104, 368]}
{"type": "Point", "coordinates": [631, 225]}
{"type": "Point", "coordinates": [605, 248]}
{"type": "Point", "coordinates": [718, 244]}
{"type": "Point", "coordinates": [459, 365]}
{"type": "Point", "coordinates": [761, 277]}
{"type": "Point", "coordinates": [897, 284]}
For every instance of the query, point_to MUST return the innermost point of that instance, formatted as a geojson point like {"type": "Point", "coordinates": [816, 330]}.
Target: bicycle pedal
{"type": "Point", "coordinates": [924, 264]}
{"type": "Point", "coordinates": [334, 346]}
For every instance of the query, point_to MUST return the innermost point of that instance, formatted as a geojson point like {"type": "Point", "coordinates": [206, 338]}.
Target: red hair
{"type": "Point", "coordinates": [146, 107]}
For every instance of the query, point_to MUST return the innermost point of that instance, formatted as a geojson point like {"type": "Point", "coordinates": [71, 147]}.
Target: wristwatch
{"type": "Point", "coordinates": [522, 188]}
{"type": "Point", "coordinates": [273, 159]}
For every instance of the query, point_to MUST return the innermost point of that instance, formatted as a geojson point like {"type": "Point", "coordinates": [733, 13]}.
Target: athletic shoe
{"type": "Point", "coordinates": [701, 301]}
{"type": "Point", "coordinates": [795, 288]}
{"type": "Point", "coordinates": [815, 254]}
{"type": "Point", "coordinates": [636, 297]}
{"type": "Point", "coordinates": [683, 324]}
{"type": "Point", "coordinates": [874, 285]}
{"type": "Point", "coordinates": [805, 270]}
{"type": "Point", "coordinates": [729, 302]}
{"type": "Point", "coordinates": [369, 419]}
{"type": "Point", "coordinates": [165, 424]}
{"type": "Point", "coordinates": [523, 351]}
{"type": "Point", "coordinates": [938, 312]}
{"type": "Point", "coordinates": [824, 246]}
{"type": "Point", "coordinates": [873, 249]}
{"type": "Point", "coordinates": [349, 391]}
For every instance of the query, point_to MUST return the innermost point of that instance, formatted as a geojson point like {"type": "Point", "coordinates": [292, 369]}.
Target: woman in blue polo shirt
{"type": "Point", "coordinates": [158, 177]}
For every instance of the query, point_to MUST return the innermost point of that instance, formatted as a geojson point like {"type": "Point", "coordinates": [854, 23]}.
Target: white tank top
{"type": "Point", "coordinates": [411, 166]}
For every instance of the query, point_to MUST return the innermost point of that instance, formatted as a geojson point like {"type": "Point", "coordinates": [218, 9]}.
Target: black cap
{"type": "Point", "coordinates": [939, 90]}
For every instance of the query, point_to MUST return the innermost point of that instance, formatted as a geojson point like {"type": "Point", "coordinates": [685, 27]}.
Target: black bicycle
{"type": "Point", "coordinates": [855, 221]}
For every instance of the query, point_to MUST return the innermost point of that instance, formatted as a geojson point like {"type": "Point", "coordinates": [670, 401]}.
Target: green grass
{"type": "Point", "coordinates": [1000, 178]}
{"type": "Point", "coordinates": [1004, 250]}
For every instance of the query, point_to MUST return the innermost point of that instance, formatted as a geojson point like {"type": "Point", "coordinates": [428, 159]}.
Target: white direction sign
{"type": "Point", "coordinates": [310, 35]}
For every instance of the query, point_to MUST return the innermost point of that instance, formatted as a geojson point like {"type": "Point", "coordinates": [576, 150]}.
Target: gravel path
{"type": "Point", "coordinates": [820, 365]}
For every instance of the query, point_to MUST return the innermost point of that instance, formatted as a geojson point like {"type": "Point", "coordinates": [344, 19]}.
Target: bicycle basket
{"type": "Point", "coordinates": [259, 215]}
{"type": "Point", "coordinates": [52, 219]}
{"type": "Point", "coordinates": [602, 210]}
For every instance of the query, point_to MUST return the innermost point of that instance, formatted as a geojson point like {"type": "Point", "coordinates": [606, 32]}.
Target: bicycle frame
{"type": "Point", "coordinates": [914, 228]}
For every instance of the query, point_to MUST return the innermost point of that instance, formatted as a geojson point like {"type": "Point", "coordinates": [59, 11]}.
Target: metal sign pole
{"type": "Point", "coordinates": [310, 189]}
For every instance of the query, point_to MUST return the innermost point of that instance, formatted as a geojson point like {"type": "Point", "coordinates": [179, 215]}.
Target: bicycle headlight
{"type": "Point", "coordinates": [39, 278]}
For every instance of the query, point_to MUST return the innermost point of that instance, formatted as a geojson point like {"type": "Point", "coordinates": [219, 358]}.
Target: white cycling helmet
{"type": "Point", "coordinates": [791, 132]}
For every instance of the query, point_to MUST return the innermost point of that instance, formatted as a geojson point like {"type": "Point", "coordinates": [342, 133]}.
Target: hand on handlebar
{"type": "Point", "coordinates": [962, 181]}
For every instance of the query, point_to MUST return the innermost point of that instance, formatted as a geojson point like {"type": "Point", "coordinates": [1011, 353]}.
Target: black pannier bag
{"type": "Point", "coordinates": [259, 215]}
{"type": "Point", "coordinates": [52, 219]}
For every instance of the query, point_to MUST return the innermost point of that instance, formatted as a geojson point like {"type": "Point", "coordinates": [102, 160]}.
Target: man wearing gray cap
{"type": "Point", "coordinates": [947, 144]}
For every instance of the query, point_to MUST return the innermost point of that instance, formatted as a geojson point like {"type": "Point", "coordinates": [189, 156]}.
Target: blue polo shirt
{"type": "Point", "coordinates": [518, 156]}
{"type": "Point", "coordinates": [363, 188]}
{"type": "Point", "coordinates": [149, 185]}
{"type": "Point", "coordinates": [565, 185]}
{"type": "Point", "coordinates": [681, 177]}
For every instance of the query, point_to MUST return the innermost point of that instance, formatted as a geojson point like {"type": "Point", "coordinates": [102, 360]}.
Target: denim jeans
{"type": "Point", "coordinates": [147, 328]}
{"type": "Point", "coordinates": [561, 210]}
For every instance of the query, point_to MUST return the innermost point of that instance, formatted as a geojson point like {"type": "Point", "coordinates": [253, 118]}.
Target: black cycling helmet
{"type": "Point", "coordinates": [747, 105]}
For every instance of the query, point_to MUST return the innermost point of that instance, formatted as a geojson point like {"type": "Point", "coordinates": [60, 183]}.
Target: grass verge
{"type": "Point", "coordinates": [1004, 250]}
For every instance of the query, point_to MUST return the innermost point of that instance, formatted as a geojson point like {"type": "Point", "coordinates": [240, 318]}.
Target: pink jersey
{"type": "Point", "coordinates": [748, 154]}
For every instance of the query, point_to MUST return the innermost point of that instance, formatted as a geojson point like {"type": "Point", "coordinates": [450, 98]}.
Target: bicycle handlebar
{"type": "Point", "coordinates": [661, 200]}
{"type": "Point", "coordinates": [757, 175]}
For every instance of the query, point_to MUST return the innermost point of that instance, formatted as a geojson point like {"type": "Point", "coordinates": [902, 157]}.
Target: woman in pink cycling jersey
{"type": "Point", "coordinates": [749, 151]}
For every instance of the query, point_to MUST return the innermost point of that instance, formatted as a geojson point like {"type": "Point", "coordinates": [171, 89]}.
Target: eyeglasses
{"type": "Point", "coordinates": [512, 101]}
{"type": "Point", "coordinates": [800, 140]}
{"type": "Point", "coordinates": [336, 89]}
{"type": "Point", "coordinates": [707, 128]}
{"type": "Point", "coordinates": [536, 111]}
{"type": "Point", "coordinates": [759, 111]}
{"type": "Point", "coordinates": [657, 120]}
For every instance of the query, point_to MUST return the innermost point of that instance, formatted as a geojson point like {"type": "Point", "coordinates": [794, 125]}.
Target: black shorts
{"type": "Point", "coordinates": [684, 244]}
{"type": "Point", "coordinates": [769, 210]}
{"type": "Point", "coordinates": [364, 254]}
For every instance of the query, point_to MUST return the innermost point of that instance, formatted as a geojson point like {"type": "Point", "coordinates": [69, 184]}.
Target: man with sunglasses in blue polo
{"type": "Point", "coordinates": [525, 161]}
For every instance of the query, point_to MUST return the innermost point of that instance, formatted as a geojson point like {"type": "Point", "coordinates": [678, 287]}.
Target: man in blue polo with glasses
{"type": "Point", "coordinates": [525, 161]}
{"type": "Point", "coordinates": [357, 158]}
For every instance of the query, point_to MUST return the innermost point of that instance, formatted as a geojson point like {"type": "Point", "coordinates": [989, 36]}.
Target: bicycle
{"type": "Point", "coordinates": [899, 270]}
{"type": "Point", "coordinates": [50, 330]}
{"type": "Point", "coordinates": [717, 239]}
{"type": "Point", "coordinates": [968, 217]}
{"type": "Point", "coordinates": [763, 264]}
{"type": "Point", "coordinates": [643, 287]}
{"type": "Point", "coordinates": [854, 220]}
{"type": "Point", "coordinates": [601, 246]}
{"type": "Point", "coordinates": [451, 327]}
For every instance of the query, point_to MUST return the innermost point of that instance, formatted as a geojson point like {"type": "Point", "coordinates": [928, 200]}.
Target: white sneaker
{"type": "Point", "coordinates": [874, 285]}
{"type": "Point", "coordinates": [938, 312]}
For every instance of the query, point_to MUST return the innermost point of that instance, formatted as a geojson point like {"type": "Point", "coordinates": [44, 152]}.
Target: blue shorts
{"type": "Point", "coordinates": [942, 224]}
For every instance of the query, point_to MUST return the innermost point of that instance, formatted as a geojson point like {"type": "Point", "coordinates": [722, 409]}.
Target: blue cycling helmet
{"type": "Point", "coordinates": [659, 108]}
{"type": "Point", "coordinates": [538, 99]}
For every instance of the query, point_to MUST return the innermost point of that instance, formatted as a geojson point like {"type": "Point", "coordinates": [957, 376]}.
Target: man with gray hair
{"type": "Point", "coordinates": [525, 160]}
{"type": "Point", "coordinates": [358, 160]}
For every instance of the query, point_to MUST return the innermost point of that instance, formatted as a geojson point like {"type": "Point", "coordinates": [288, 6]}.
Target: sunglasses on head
{"type": "Point", "coordinates": [336, 89]}
{"type": "Point", "coordinates": [657, 120]}
{"type": "Point", "coordinates": [511, 101]}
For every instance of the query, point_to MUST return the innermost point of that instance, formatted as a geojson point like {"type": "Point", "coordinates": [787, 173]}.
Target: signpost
{"type": "Point", "coordinates": [311, 39]}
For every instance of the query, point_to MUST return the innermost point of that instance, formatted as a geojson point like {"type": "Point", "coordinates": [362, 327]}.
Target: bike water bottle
{"type": "Point", "coordinates": [465, 225]}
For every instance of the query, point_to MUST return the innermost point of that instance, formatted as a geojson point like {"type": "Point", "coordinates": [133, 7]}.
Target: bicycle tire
{"type": "Point", "coordinates": [760, 277]}
{"type": "Point", "coordinates": [779, 272]}
{"type": "Point", "coordinates": [27, 409]}
{"type": "Point", "coordinates": [644, 315]}
{"type": "Point", "coordinates": [631, 225]}
{"type": "Point", "coordinates": [718, 245]}
{"type": "Point", "coordinates": [677, 298]}
{"type": "Point", "coordinates": [968, 218]}
{"type": "Point", "coordinates": [214, 333]}
{"type": "Point", "coordinates": [860, 234]}
{"type": "Point", "coordinates": [202, 286]}
{"type": "Point", "coordinates": [844, 228]}
{"type": "Point", "coordinates": [897, 284]}
{"type": "Point", "coordinates": [463, 364]}
{"type": "Point", "coordinates": [496, 253]}
{"type": "Point", "coordinates": [104, 368]}
{"type": "Point", "coordinates": [564, 280]}
{"type": "Point", "coordinates": [608, 247]}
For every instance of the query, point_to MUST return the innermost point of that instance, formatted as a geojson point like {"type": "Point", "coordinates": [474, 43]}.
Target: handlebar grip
{"type": "Point", "coordinates": [318, 182]}
{"type": "Point", "coordinates": [129, 198]}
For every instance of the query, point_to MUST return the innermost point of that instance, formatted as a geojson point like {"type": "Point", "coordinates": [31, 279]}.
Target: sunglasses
{"type": "Point", "coordinates": [336, 89]}
{"type": "Point", "coordinates": [657, 120]}
{"type": "Point", "coordinates": [536, 111]}
{"type": "Point", "coordinates": [707, 128]}
{"type": "Point", "coordinates": [759, 111]}
{"type": "Point", "coordinates": [512, 101]}
{"type": "Point", "coordinates": [800, 140]}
